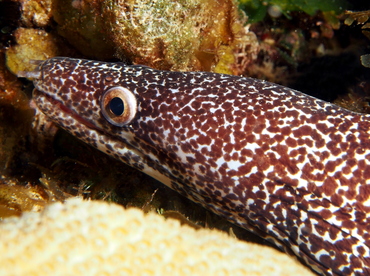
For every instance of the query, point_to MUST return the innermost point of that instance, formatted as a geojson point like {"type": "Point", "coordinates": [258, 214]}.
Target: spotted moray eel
{"type": "Point", "coordinates": [290, 167]}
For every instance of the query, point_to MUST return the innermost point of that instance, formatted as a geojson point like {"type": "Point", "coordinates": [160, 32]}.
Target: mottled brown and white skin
{"type": "Point", "coordinates": [285, 165]}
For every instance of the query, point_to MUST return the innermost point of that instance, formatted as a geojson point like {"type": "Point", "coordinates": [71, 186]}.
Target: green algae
{"type": "Point", "coordinates": [257, 9]}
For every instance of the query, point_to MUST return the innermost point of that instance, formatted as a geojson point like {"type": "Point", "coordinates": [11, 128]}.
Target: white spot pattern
{"type": "Point", "coordinates": [290, 167]}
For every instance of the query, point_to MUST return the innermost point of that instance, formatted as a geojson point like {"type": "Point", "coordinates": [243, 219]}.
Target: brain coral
{"type": "Point", "coordinates": [97, 238]}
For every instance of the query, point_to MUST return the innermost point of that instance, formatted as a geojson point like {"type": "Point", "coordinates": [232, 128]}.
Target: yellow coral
{"type": "Point", "coordinates": [184, 35]}
{"type": "Point", "coordinates": [97, 238]}
{"type": "Point", "coordinates": [178, 35]}
{"type": "Point", "coordinates": [36, 13]}
{"type": "Point", "coordinates": [32, 44]}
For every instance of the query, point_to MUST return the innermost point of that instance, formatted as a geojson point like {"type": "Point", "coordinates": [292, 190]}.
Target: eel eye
{"type": "Point", "coordinates": [119, 106]}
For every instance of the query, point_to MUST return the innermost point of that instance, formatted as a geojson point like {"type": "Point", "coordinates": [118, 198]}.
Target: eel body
{"type": "Point", "coordinates": [285, 165]}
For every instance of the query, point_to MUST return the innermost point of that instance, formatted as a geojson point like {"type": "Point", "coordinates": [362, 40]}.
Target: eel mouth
{"type": "Point", "coordinates": [41, 97]}
{"type": "Point", "coordinates": [73, 123]}
{"type": "Point", "coordinates": [102, 140]}
{"type": "Point", "coordinates": [57, 105]}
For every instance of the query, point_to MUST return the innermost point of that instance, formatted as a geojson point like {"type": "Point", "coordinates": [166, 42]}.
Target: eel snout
{"type": "Point", "coordinates": [34, 74]}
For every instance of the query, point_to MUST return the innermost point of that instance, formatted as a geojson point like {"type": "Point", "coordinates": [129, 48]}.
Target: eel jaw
{"type": "Point", "coordinates": [57, 105]}
{"type": "Point", "coordinates": [98, 138]}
